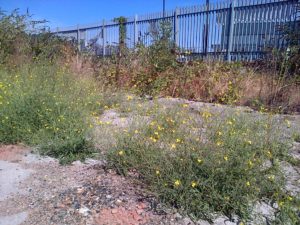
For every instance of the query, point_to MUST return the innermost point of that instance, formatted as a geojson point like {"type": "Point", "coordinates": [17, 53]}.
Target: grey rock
{"type": "Point", "coordinates": [84, 211]}
{"type": "Point", "coordinates": [15, 219]}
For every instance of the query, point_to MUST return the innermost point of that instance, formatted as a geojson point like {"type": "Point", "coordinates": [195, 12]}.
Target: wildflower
{"type": "Point", "coordinates": [281, 203]}
{"type": "Point", "coordinates": [129, 97]}
{"type": "Point", "coordinates": [226, 198]}
{"type": "Point", "coordinates": [229, 122]}
{"type": "Point", "coordinates": [290, 198]}
{"type": "Point", "coordinates": [248, 183]}
{"type": "Point", "coordinates": [177, 183]}
{"type": "Point", "coordinates": [185, 105]}
{"type": "Point", "coordinates": [249, 142]}
{"type": "Point", "coordinates": [288, 123]}
{"type": "Point", "coordinates": [219, 143]}
{"type": "Point", "coordinates": [173, 146]}
{"type": "Point", "coordinates": [199, 161]}
{"type": "Point", "coordinates": [271, 177]}
{"type": "Point", "coordinates": [136, 131]}
{"type": "Point", "coordinates": [220, 133]}
{"type": "Point", "coordinates": [178, 140]}
{"type": "Point", "coordinates": [250, 163]}
{"type": "Point", "coordinates": [160, 128]}
{"type": "Point", "coordinates": [157, 172]}
{"type": "Point", "coordinates": [121, 153]}
{"type": "Point", "coordinates": [152, 123]}
{"type": "Point", "coordinates": [226, 158]}
{"type": "Point", "coordinates": [206, 115]}
{"type": "Point", "coordinates": [153, 139]}
{"type": "Point", "coordinates": [193, 184]}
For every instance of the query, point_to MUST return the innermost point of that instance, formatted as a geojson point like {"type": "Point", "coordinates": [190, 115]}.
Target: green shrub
{"type": "Point", "coordinates": [206, 166]}
{"type": "Point", "coordinates": [45, 106]}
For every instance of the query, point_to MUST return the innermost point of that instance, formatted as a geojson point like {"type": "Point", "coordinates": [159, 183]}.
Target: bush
{"type": "Point", "coordinates": [206, 166]}
{"type": "Point", "coordinates": [45, 106]}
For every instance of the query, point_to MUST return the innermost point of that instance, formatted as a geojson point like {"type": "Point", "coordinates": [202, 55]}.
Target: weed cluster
{"type": "Point", "coordinates": [45, 106]}
{"type": "Point", "coordinates": [207, 163]}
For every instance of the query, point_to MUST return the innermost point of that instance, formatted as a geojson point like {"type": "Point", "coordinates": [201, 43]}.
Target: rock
{"type": "Point", "coordinates": [202, 222]}
{"type": "Point", "coordinates": [84, 211]}
{"type": "Point", "coordinates": [292, 178]}
{"type": "Point", "coordinates": [139, 211]}
{"type": "Point", "coordinates": [114, 211]}
{"type": "Point", "coordinates": [118, 202]}
{"type": "Point", "coordinates": [187, 221]}
{"type": "Point", "coordinates": [108, 196]}
{"type": "Point", "coordinates": [178, 216]}
{"type": "Point", "coordinates": [223, 220]}
{"type": "Point", "coordinates": [77, 163]}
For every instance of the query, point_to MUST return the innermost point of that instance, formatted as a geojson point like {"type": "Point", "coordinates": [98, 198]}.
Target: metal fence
{"type": "Point", "coordinates": [227, 30]}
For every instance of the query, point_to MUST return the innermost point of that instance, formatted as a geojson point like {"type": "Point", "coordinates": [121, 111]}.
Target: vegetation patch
{"type": "Point", "coordinates": [207, 163]}
{"type": "Point", "coordinates": [46, 106]}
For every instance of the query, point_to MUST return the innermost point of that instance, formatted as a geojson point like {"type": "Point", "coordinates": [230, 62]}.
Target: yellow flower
{"type": "Point", "coordinates": [219, 143]}
{"type": "Point", "coordinates": [185, 105]}
{"type": "Point", "coordinates": [226, 158]}
{"type": "Point", "coordinates": [288, 123]}
{"type": "Point", "coordinates": [173, 146]}
{"type": "Point", "coordinates": [199, 161]}
{"type": "Point", "coordinates": [157, 172]}
{"type": "Point", "coordinates": [177, 183]}
{"type": "Point", "coordinates": [136, 131]}
{"type": "Point", "coordinates": [153, 139]}
{"type": "Point", "coordinates": [178, 140]}
{"type": "Point", "coordinates": [227, 198]}
{"type": "Point", "coordinates": [129, 97]}
{"type": "Point", "coordinates": [206, 115]}
{"type": "Point", "coordinates": [160, 128]}
{"type": "Point", "coordinates": [290, 198]}
{"type": "Point", "coordinates": [250, 163]}
{"type": "Point", "coordinates": [229, 122]}
{"type": "Point", "coordinates": [281, 203]}
{"type": "Point", "coordinates": [193, 184]}
{"type": "Point", "coordinates": [220, 133]}
{"type": "Point", "coordinates": [121, 153]}
{"type": "Point", "coordinates": [248, 183]}
{"type": "Point", "coordinates": [271, 177]}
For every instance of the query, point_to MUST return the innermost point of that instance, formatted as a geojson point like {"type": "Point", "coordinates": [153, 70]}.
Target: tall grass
{"type": "Point", "coordinates": [44, 105]}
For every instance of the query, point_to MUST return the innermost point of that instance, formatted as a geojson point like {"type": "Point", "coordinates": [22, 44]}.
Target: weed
{"type": "Point", "coordinates": [45, 106]}
{"type": "Point", "coordinates": [207, 163]}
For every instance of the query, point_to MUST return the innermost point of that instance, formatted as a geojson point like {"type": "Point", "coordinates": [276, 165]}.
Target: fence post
{"type": "Point", "coordinates": [78, 38]}
{"type": "Point", "coordinates": [231, 29]}
{"type": "Point", "coordinates": [103, 39]}
{"type": "Point", "coordinates": [176, 27]}
{"type": "Point", "coordinates": [135, 31]}
{"type": "Point", "coordinates": [206, 28]}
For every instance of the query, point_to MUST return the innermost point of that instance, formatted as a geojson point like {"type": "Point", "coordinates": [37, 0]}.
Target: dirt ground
{"type": "Point", "coordinates": [37, 190]}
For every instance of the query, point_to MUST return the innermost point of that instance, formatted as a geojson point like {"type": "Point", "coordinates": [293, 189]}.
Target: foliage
{"type": "Point", "coordinates": [45, 106]}
{"type": "Point", "coordinates": [213, 165]}
{"type": "Point", "coordinates": [25, 40]}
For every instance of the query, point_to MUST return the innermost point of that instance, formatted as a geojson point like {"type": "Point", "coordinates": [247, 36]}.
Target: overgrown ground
{"type": "Point", "coordinates": [208, 161]}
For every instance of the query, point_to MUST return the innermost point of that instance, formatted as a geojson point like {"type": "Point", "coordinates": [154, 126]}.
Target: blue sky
{"type": "Point", "coordinates": [61, 13]}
